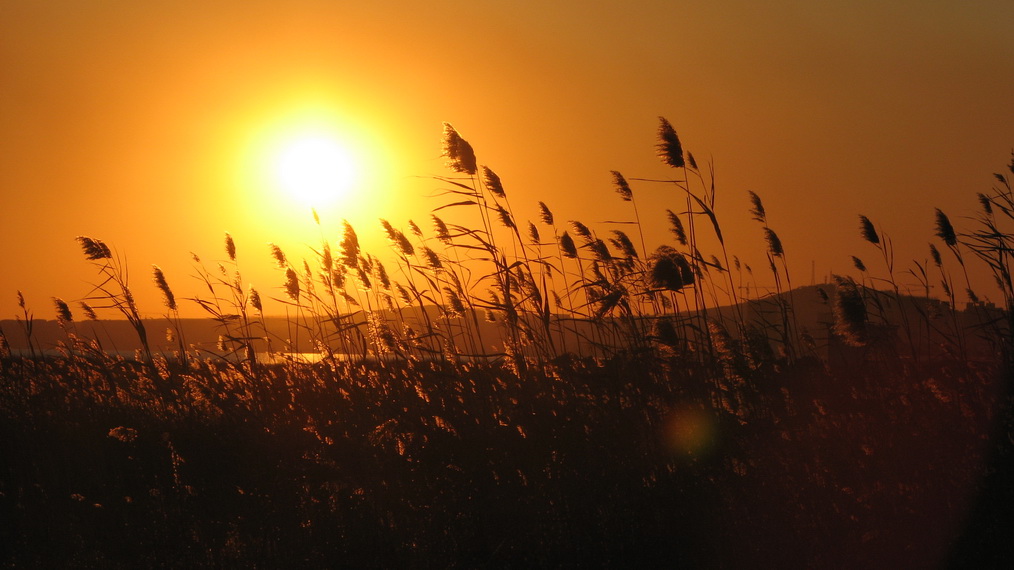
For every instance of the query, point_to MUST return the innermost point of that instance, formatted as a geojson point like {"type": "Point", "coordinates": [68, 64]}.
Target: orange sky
{"type": "Point", "coordinates": [133, 122]}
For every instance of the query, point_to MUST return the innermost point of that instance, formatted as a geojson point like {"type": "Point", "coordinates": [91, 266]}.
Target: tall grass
{"type": "Point", "coordinates": [574, 395]}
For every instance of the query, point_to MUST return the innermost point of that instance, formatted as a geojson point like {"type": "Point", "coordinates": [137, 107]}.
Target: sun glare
{"type": "Point", "coordinates": [314, 168]}
{"type": "Point", "coordinates": [310, 155]}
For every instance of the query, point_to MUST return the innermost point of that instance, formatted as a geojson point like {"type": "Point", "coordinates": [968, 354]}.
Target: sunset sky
{"type": "Point", "coordinates": [151, 125]}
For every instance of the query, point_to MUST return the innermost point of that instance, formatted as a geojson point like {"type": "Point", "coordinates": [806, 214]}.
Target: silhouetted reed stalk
{"type": "Point", "coordinates": [461, 159]}
{"type": "Point", "coordinates": [113, 291]}
{"type": "Point", "coordinates": [885, 246]}
{"type": "Point", "coordinates": [788, 328]}
{"type": "Point", "coordinates": [173, 315]}
{"type": "Point", "coordinates": [26, 321]}
{"type": "Point", "coordinates": [991, 243]}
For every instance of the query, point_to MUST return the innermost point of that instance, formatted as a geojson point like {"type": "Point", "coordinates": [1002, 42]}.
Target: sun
{"type": "Point", "coordinates": [314, 168]}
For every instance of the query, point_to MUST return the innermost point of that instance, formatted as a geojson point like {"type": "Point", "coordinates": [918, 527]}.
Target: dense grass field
{"type": "Point", "coordinates": [503, 397]}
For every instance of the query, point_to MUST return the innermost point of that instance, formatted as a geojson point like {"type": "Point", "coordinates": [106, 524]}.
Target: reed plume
{"type": "Point", "coordinates": [88, 311]}
{"type": "Point", "coordinates": [622, 187]}
{"type": "Point", "coordinates": [545, 214]}
{"type": "Point", "coordinates": [63, 314]}
{"type": "Point", "coordinates": [460, 156]}
{"type": "Point", "coordinates": [944, 229]}
{"type": "Point", "coordinates": [255, 300]}
{"type": "Point", "coordinates": [230, 247]}
{"type": "Point", "coordinates": [443, 234]}
{"type": "Point", "coordinates": [676, 227]}
{"type": "Point", "coordinates": [415, 229]}
{"type": "Point", "coordinates": [94, 249]}
{"type": "Point", "coordinates": [167, 295]}
{"type": "Point", "coordinates": [493, 182]}
{"type": "Point", "coordinates": [867, 230]}
{"type": "Point", "coordinates": [349, 245]}
{"type": "Point", "coordinates": [291, 284]}
{"type": "Point", "coordinates": [670, 151]}
{"type": "Point", "coordinates": [668, 269]}
{"type": "Point", "coordinates": [774, 243]}
{"type": "Point", "coordinates": [850, 315]}
{"type": "Point", "coordinates": [858, 263]}
{"type": "Point", "coordinates": [533, 233]}
{"type": "Point", "coordinates": [757, 211]}
{"type": "Point", "coordinates": [567, 246]}
{"type": "Point", "coordinates": [623, 243]}
{"type": "Point", "coordinates": [935, 254]}
{"type": "Point", "coordinates": [581, 230]}
{"type": "Point", "coordinates": [279, 256]}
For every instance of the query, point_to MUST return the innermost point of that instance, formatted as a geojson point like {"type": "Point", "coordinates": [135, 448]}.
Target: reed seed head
{"type": "Point", "coordinates": [599, 250]}
{"type": "Point", "coordinates": [567, 246]}
{"type": "Point", "coordinates": [972, 296]}
{"type": "Point", "coordinates": [416, 231]}
{"type": "Point", "coordinates": [279, 256]}
{"type": "Point", "coordinates": [255, 300]}
{"type": "Point", "coordinates": [858, 263]}
{"type": "Point", "coordinates": [167, 295]}
{"type": "Point", "coordinates": [850, 315]}
{"type": "Point", "coordinates": [533, 233]}
{"type": "Point", "coordinates": [88, 311]}
{"type": "Point", "coordinates": [623, 243]}
{"type": "Point", "coordinates": [493, 182]}
{"type": "Point", "coordinates": [668, 269]}
{"type": "Point", "coordinates": [935, 254]}
{"type": "Point", "coordinates": [291, 284]}
{"type": "Point", "coordinates": [581, 230]}
{"type": "Point", "coordinates": [94, 249]}
{"type": "Point", "coordinates": [505, 217]}
{"type": "Point", "coordinates": [460, 156]}
{"type": "Point", "coordinates": [326, 261]}
{"type": "Point", "coordinates": [867, 230]}
{"type": "Point", "coordinates": [669, 148]}
{"type": "Point", "coordinates": [230, 247]}
{"type": "Point", "coordinates": [676, 227]}
{"type": "Point", "coordinates": [63, 314]}
{"type": "Point", "coordinates": [622, 188]}
{"type": "Point", "coordinates": [381, 273]}
{"type": "Point", "coordinates": [545, 214]}
{"type": "Point", "coordinates": [757, 211]}
{"type": "Point", "coordinates": [945, 230]}
{"type": "Point", "coordinates": [443, 234]}
{"type": "Point", "coordinates": [349, 245]}
{"type": "Point", "coordinates": [774, 243]}
{"type": "Point", "coordinates": [987, 204]}
{"type": "Point", "coordinates": [432, 259]}
{"type": "Point", "coordinates": [454, 306]}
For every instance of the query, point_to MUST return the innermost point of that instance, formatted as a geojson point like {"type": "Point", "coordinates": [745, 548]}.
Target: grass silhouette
{"type": "Point", "coordinates": [562, 398]}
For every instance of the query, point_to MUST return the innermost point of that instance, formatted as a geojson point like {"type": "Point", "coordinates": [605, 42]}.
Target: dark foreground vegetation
{"type": "Point", "coordinates": [608, 410]}
{"type": "Point", "coordinates": [578, 463]}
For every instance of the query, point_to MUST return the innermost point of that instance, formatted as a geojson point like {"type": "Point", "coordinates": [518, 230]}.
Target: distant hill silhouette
{"type": "Point", "coordinates": [929, 323]}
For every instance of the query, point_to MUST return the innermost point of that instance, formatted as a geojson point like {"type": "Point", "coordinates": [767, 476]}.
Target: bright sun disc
{"type": "Point", "coordinates": [314, 169]}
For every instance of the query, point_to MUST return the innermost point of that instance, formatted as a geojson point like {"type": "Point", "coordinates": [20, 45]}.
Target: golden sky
{"type": "Point", "coordinates": [144, 124]}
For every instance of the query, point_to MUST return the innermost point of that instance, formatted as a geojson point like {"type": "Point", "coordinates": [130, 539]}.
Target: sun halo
{"type": "Point", "coordinates": [315, 169]}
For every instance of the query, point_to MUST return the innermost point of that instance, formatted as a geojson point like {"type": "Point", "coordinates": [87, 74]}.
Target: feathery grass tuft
{"type": "Point", "coordinates": [670, 151]}
{"type": "Point", "coordinates": [944, 229]}
{"type": "Point", "coordinates": [867, 230]}
{"type": "Point", "coordinates": [94, 249]}
{"type": "Point", "coordinates": [163, 286]}
{"type": "Point", "coordinates": [622, 187]}
{"type": "Point", "coordinates": [460, 156]}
